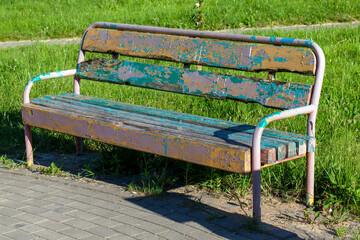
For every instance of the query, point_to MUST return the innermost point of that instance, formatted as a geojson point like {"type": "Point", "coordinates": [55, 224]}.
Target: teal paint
{"type": "Point", "coordinates": [200, 83]}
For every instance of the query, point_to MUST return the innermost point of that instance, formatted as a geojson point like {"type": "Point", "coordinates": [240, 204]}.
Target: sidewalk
{"type": "Point", "coordinates": [36, 206]}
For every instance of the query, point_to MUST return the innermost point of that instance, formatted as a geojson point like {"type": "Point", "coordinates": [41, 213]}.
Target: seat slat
{"type": "Point", "coordinates": [201, 83]}
{"type": "Point", "coordinates": [210, 52]}
{"type": "Point", "coordinates": [285, 148]}
{"type": "Point", "coordinates": [188, 149]}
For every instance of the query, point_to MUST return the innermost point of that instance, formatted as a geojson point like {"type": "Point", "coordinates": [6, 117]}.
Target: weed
{"type": "Point", "coordinates": [308, 218]}
{"type": "Point", "coordinates": [87, 172]}
{"type": "Point", "coordinates": [53, 170]}
{"type": "Point", "coordinates": [11, 164]}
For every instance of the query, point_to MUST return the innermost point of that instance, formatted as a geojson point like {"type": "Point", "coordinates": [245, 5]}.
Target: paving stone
{"type": "Point", "coordinates": [170, 235]}
{"type": "Point", "coordinates": [81, 215]}
{"type": "Point", "coordinates": [53, 225]}
{"type": "Point", "coordinates": [10, 212]}
{"type": "Point", "coordinates": [229, 235]}
{"type": "Point", "coordinates": [79, 223]}
{"type": "Point", "coordinates": [148, 236]}
{"type": "Point", "coordinates": [102, 231]}
{"type": "Point", "coordinates": [6, 228]}
{"type": "Point", "coordinates": [105, 222]}
{"type": "Point", "coordinates": [34, 210]}
{"type": "Point", "coordinates": [133, 212]}
{"type": "Point", "coordinates": [59, 200]}
{"type": "Point", "coordinates": [128, 230]}
{"type": "Point", "coordinates": [59, 208]}
{"type": "Point", "coordinates": [18, 234]}
{"type": "Point", "coordinates": [120, 237]}
{"type": "Point", "coordinates": [75, 233]}
{"type": "Point", "coordinates": [205, 226]}
{"type": "Point", "coordinates": [36, 202]}
{"type": "Point", "coordinates": [103, 212]}
{"type": "Point", "coordinates": [93, 238]}
{"type": "Point", "coordinates": [152, 228]}
{"type": "Point", "coordinates": [11, 203]}
{"type": "Point", "coordinates": [9, 221]}
{"type": "Point", "coordinates": [43, 189]}
{"type": "Point", "coordinates": [129, 220]}
{"type": "Point", "coordinates": [50, 235]}
{"type": "Point", "coordinates": [30, 218]}
{"type": "Point", "coordinates": [17, 190]}
{"type": "Point", "coordinates": [178, 227]}
{"type": "Point", "coordinates": [56, 216]}
{"type": "Point", "coordinates": [32, 228]}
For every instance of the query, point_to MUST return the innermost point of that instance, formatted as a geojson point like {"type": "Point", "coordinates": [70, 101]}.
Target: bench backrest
{"type": "Point", "coordinates": [200, 49]}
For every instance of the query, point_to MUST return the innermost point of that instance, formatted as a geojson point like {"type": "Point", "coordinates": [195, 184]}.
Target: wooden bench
{"type": "Point", "coordinates": [221, 144]}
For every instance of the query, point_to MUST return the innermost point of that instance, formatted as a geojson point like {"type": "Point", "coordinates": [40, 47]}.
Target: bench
{"type": "Point", "coordinates": [221, 144]}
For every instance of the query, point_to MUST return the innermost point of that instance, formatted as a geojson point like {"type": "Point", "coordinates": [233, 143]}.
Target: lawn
{"type": "Point", "coordinates": [43, 19]}
{"type": "Point", "coordinates": [338, 121]}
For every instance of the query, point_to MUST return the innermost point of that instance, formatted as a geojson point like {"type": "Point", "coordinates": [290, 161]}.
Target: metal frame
{"type": "Point", "coordinates": [310, 110]}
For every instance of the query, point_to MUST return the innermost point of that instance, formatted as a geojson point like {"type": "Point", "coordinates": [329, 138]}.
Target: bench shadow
{"type": "Point", "coordinates": [180, 208]}
{"type": "Point", "coordinates": [225, 134]}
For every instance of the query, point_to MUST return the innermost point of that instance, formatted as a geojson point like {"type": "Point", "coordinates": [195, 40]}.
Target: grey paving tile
{"type": "Point", "coordinates": [133, 212]}
{"type": "Point", "coordinates": [33, 209]}
{"type": "Point", "coordinates": [120, 237]}
{"type": "Point", "coordinates": [103, 212]}
{"type": "Point", "coordinates": [14, 197]}
{"type": "Point", "coordinates": [82, 215]}
{"type": "Point", "coordinates": [170, 235]}
{"type": "Point", "coordinates": [57, 216]}
{"type": "Point", "coordinates": [30, 218]}
{"type": "Point", "coordinates": [6, 228]}
{"type": "Point", "coordinates": [10, 212]}
{"type": "Point", "coordinates": [43, 189]}
{"type": "Point", "coordinates": [59, 208]}
{"type": "Point", "coordinates": [17, 190]}
{"type": "Point", "coordinates": [200, 235]}
{"type": "Point", "coordinates": [158, 219]}
{"type": "Point", "coordinates": [205, 226]}
{"type": "Point", "coordinates": [152, 228]}
{"type": "Point", "coordinates": [105, 222]}
{"type": "Point", "coordinates": [79, 206]}
{"type": "Point", "coordinates": [50, 235]}
{"type": "Point", "coordinates": [128, 230]}
{"type": "Point", "coordinates": [178, 227]}
{"type": "Point", "coordinates": [59, 200]}
{"type": "Point", "coordinates": [102, 231]}
{"type": "Point", "coordinates": [9, 221]}
{"type": "Point", "coordinates": [32, 228]}
{"type": "Point", "coordinates": [148, 236]}
{"type": "Point", "coordinates": [93, 238]}
{"type": "Point", "coordinates": [11, 203]}
{"type": "Point", "coordinates": [75, 233]}
{"type": "Point", "coordinates": [229, 235]}
{"type": "Point", "coordinates": [53, 225]}
{"type": "Point", "coordinates": [129, 220]}
{"type": "Point", "coordinates": [36, 202]}
{"type": "Point", "coordinates": [80, 224]}
{"type": "Point", "coordinates": [18, 235]}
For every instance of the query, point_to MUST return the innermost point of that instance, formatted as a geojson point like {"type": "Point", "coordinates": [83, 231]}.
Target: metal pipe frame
{"type": "Point", "coordinates": [311, 109]}
{"type": "Point", "coordinates": [26, 99]}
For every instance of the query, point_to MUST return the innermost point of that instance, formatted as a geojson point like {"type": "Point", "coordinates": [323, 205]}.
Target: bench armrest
{"type": "Point", "coordinates": [59, 74]}
{"type": "Point", "coordinates": [270, 118]}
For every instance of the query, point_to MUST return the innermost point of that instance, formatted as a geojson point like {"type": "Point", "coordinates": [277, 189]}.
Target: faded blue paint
{"type": "Point", "coordinates": [273, 39]}
{"type": "Point", "coordinates": [280, 59]}
{"type": "Point", "coordinates": [253, 37]}
{"type": "Point", "coordinates": [287, 40]}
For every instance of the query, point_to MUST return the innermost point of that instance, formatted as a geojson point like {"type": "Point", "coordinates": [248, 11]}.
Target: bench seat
{"type": "Point", "coordinates": [206, 141]}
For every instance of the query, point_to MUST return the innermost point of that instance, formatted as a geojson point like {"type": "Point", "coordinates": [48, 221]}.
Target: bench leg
{"type": "Point", "coordinates": [310, 182]}
{"type": "Point", "coordinates": [79, 148]}
{"type": "Point", "coordinates": [256, 178]}
{"type": "Point", "coordinates": [28, 145]}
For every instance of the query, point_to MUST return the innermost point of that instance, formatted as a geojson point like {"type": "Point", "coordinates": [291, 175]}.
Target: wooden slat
{"type": "Point", "coordinates": [201, 83]}
{"type": "Point", "coordinates": [210, 52]}
{"type": "Point", "coordinates": [272, 149]}
{"type": "Point", "coordinates": [176, 123]}
{"type": "Point", "coordinates": [187, 149]}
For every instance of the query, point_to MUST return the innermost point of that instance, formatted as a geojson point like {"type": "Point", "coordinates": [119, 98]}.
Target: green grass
{"type": "Point", "coordinates": [338, 122]}
{"type": "Point", "coordinates": [43, 19]}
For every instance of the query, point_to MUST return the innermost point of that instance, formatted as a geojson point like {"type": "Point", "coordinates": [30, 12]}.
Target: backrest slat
{"type": "Point", "coordinates": [201, 51]}
{"type": "Point", "coordinates": [193, 82]}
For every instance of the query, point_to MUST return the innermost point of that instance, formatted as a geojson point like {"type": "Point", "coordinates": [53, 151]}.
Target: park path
{"type": "Point", "coordinates": [237, 31]}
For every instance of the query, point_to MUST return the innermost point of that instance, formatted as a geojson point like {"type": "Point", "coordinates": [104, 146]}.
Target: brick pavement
{"type": "Point", "coordinates": [35, 206]}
